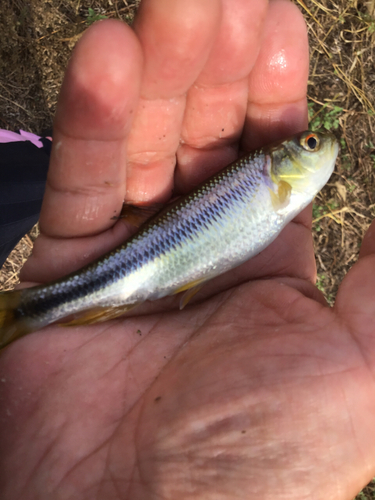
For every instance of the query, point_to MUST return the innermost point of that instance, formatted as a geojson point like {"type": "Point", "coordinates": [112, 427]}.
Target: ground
{"type": "Point", "coordinates": [37, 39]}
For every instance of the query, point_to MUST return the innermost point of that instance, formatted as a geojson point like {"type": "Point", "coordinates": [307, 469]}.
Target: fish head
{"type": "Point", "coordinates": [305, 161]}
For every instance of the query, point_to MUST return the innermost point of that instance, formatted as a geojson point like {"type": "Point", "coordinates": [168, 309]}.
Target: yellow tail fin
{"type": "Point", "coordinates": [11, 326]}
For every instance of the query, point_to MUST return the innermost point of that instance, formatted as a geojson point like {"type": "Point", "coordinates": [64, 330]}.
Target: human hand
{"type": "Point", "coordinates": [258, 391]}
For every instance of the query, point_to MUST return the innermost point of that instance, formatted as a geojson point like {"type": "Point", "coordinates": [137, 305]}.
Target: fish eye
{"type": "Point", "coordinates": [310, 142]}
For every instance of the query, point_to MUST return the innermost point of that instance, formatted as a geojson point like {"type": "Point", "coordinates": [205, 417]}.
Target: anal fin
{"type": "Point", "coordinates": [99, 314]}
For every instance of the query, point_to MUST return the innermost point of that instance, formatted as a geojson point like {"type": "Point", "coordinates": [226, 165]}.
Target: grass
{"type": "Point", "coordinates": [37, 39]}
{"type": "Point", "coordinates": [342, 100]}
{"type": "Point", "coordinates": [326, 117]}
{"type": "Point", "coordinates": [93, 16]}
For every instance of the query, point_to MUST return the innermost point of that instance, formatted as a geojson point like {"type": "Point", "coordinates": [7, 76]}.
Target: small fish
{"type": "Point", "coordinates": [228, 219]}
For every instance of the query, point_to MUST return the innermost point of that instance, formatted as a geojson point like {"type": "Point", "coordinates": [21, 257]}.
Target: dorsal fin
{"type": "Point", "coordinates": [138, 214]}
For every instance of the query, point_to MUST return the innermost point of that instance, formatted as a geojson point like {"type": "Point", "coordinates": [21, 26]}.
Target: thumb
{"type": "Point", "coordinates": [355, 301]}
{"type": "Point", "coordinates": [368, 244]}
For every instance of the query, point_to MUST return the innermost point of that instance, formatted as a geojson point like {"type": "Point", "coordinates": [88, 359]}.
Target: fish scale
{"type": "Point", "coordinates": [222, 223]}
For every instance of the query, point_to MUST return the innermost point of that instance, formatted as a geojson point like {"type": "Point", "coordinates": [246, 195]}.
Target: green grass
{"type": "Point", "coordinates": [93, 16]}
{"type": "Point", "coordinates": [326, 117]}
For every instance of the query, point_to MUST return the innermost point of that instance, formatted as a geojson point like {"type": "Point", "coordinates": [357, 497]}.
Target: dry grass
{"type": "Point", "coordinates": [10, 271]}
{"type": "Point", "coordinates": [37, 39]}
{"type": "Point", "coordinates": [342, 97]}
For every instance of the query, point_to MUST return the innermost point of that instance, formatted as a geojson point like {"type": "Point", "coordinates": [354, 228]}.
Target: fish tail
{"type": "Point", "coordinates": [11, 325]}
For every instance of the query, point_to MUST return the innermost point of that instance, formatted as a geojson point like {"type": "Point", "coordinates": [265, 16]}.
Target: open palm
{"type": "Point", "coordinates": [257, 389]}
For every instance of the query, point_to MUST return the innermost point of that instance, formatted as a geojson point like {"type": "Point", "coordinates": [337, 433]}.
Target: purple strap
{"type": "Point", "coordinates": [9, 136]}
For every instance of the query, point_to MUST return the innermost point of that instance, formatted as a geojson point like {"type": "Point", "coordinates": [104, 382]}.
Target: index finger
{"type": "Point", "coordinates": [86, 179]}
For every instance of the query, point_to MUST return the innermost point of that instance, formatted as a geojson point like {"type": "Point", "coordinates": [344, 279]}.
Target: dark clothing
{"type": "Point", "coordinates": [23, 173]}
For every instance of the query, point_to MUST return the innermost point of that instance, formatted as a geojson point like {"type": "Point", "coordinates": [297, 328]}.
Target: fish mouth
{"type": "Point", "coordinates": [329, 160]}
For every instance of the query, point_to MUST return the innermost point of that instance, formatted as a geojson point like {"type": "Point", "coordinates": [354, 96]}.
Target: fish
{"type": "Point", "coordinates": [229, 218]}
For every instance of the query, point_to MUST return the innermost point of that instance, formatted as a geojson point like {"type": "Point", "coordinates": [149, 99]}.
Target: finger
{"type": "Point", "coordinates": [86, 180]}
{"type": "Point", "coordinates": [216, 103]}
{"type": "Point", "coordinates": [176, 38]}
{"type": "Point", "coordinates": [277, 103]}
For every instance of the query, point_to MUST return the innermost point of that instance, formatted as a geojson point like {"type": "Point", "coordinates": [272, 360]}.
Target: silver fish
{"type": "Point", "coordinates": [225, 221]}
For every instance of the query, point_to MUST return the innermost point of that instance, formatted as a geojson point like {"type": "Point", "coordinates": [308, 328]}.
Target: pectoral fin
{"type": "Point", "coordinates": [282, 198]}
{"type": "Point", "coordinates": [99, 314]}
